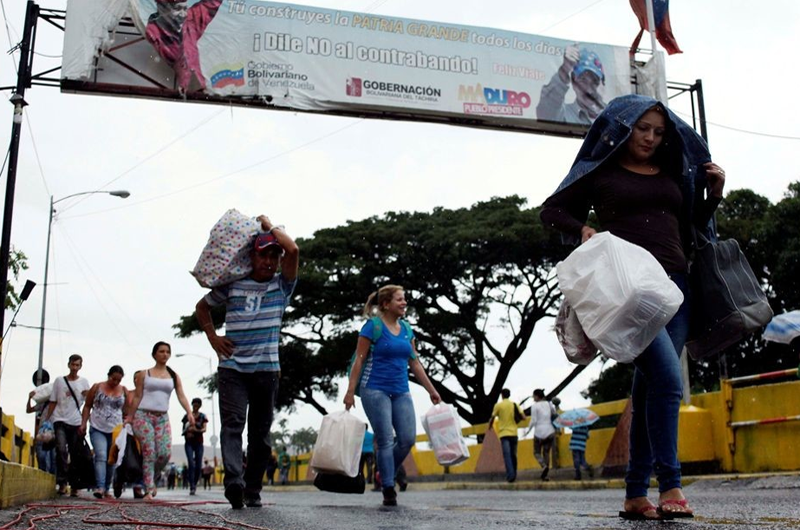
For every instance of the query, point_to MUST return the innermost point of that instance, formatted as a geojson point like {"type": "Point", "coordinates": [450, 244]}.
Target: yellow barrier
{"type": "Point", "coordinates": [20, 480]}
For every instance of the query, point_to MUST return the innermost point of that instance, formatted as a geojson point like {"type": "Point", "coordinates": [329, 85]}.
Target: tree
{"type": "Point", "coordinates": [303, 440]}
{"type": "Point", "coordinates": [17, 262]}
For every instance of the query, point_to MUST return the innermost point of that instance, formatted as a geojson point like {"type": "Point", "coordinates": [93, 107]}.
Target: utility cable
{"type": "Point", "coordinates": [36, 153]}
{"type": "Point", "coordinates": [744, 131]}
{"type": "Point", "coordinates": [551, 26]}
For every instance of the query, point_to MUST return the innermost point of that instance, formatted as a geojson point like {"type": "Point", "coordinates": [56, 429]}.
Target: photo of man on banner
{"type": "Point", "coordinates": [582, 69]}
{"type": "Point", "coordinates": [174, 30]}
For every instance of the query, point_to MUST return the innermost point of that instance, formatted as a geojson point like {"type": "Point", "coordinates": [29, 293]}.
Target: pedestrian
{"type": "Point", "coordinates": [184, 476]}
{"type": "Point", "coordinates": [284, 463]}
{"type": "Point", "coordinates": [272, 467]}
{"type": "Point", "coordinates": [64, 411]}
{"type": "Point", "coordinates": [577, 444]}
{"type": "Point", "coordinates": [104, 408]}
{"type": "Point", "coordinates": [249, 367]}
{"type": "Point", "coordinates": [45, 451]}
{"type": "Point", "coordinates": [193, 428]}
{"type": "Point", "coordinates": [544, 433]}
{"type": "Point", "coordinates": [149, 414]}
{"type": "Point", "coordinates": [556, 401]}
{"type": "Point", "coordinates": [381, 370]}
{"type": "Point", "coordinates": [649, 178]}
{"type": "Point", "coordinates": [506, 412]}
{"type": "Point", "coordinates": [172, 476]}
{"type": "Point", "coordinates": [367, 456]}
{"type": "Point", "coordinates": [208, 471]}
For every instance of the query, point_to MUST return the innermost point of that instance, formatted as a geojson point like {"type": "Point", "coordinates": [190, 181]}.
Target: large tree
{"type": "Point", "coordinates": [478, 280]}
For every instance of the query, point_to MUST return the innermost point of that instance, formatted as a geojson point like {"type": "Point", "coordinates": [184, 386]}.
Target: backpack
{"type": "Point", "coordinates": [377, 329]}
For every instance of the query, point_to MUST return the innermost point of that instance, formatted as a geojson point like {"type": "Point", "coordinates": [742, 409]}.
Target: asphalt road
{"type": "Point", "coordinates": [741, 504]}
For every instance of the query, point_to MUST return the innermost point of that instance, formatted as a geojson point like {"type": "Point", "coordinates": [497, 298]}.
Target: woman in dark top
{"type": "Point", "coordinates": [638, 193]}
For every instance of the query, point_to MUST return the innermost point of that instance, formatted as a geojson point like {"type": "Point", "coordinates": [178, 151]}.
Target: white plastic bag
{"type": "Point", "coordinates": [42, 393]}
{"type": "Point", "coordinates": [442, 425]}
{"type": "Point", "coordinates": [226, 256]}
{"type": "Point", "coordinates": [621, 294]}
{"type": "Point", "coordinates": [577, 346]}
{"type": "Point", "coordinates": [338, 446]}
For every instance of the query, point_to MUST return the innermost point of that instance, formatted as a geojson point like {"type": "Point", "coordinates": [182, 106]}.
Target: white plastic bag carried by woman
{"type": "Point", "coordinates": [442, 425]}
{"type": "Point", "coordinates": [338, 446]}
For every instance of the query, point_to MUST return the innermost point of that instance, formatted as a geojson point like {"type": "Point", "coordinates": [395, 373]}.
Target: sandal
{"type": "Point", "coordinates": [683, 513]}
{"type": "Point", "coordinates": [638, 514]}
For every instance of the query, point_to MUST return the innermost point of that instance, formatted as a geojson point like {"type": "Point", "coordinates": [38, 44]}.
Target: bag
{"type": "Point", "coordinates": [226, 256]}
{"type": "Point", "coordinates": [338, 446]}
{"type": "Point", "coordinates": [620, 293]}
{"type": "Point", "coordinates": [42, 393]}
{"type": "Point", "coordinates": [519, 417]}
{"type": "Point", "coordinates": [81, 467]}
{"type": "Point", "coordinates": [728, 304]}
{"type": "Point", "coordinates": [443, 427]}
{"type": "Point", "coordinates": [129, 460]}
{"type": "Point", "coordinates": [46, 435]}
{"type": "Point", "coordinates": [366, 367]}
{"type": "Point", "coordinates": [577, 346]}
{"type": "Point", "coordinates": [336, 483]}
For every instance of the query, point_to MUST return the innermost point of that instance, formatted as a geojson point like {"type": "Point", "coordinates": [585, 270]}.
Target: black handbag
{"type": "Point", "coordinates": [81, 467]}
{"type": "Point", "coordinates": [518, 415]}
{"type": "Point", "coordinates": [336, 483]}
{"type": "Point", "coordinates": [727, 302]}
{"type": "Point", "coordinates": [130, 468]}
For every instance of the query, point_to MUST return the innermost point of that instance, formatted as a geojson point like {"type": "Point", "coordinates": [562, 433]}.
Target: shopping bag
{"type": "Point", "coordinates": [443, 427]}
{"type": "Point", "coordinates": [226, 256]}
{"type": "Point", "coordinates": [620, 293]}
{"type": "Point", "coordinates": [81, 467]}
{"type": "Point", "coordinates": [128, 459]}
{"type": "Point", "coordinates": [46, 435]}
{"type": "Point", "coordinates": [577, 346]}
{"type": "Point", "coordinates": [42, 393]}
{"type": "Point", "coordinates": [336, 483]}
{"type": "Point", "coordinates": [338, 446]}
{"type": "Point", "coordinates": [728, 304]}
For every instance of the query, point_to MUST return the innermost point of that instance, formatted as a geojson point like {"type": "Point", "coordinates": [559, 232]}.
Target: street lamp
{"type": "Point", "coordinates": [213, 438]}
{"type": "Point", "coordinates": [122, 194]}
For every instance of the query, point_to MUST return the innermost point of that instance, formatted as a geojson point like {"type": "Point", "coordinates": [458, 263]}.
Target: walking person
{"type": "Point", "coordinates": [577, 444]}
{"type": "Point", "coordinates": [208, 471]}
{"type": "Point", "coordinates": [272, 467]}
{"type": "Point", "coordinates": [649, 178]}
{"type": "Point", "coordinates": [285, 464]}
{"type": "Point", "coordinates": [64, 411]}
{"type": "Point", "coordinates": [104, 408]}
{"type": "Point", "coordinates": [149, 414]}
{"type": "Point", "coordinates": [249, 366]}
{"type": "Point", "coordinates": [45, 451]}
{"type": "Point", "coordinates": [544, 433]}
{"type": "Point", "coordinates": [381, 370]}
{"type": "Point", "coordinates": [506, 412]}
{"type": "Point", "coordinates": [193, 428]}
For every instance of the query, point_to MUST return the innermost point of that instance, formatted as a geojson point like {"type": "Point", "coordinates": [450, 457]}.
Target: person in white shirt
{"type": "Point", "coordinates": [543, 431]}
{"type": "Point", "coordinates": [64, 412]}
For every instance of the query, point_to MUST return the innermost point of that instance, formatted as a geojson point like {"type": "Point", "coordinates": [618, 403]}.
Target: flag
{"type": "Point", "coordinates": [663, 26]}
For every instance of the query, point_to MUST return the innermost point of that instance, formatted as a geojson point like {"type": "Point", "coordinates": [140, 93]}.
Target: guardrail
{"type": "Point", "coordinates": [15, 444]}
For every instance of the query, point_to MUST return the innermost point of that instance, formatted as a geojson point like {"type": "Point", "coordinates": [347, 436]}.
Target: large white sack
{"type": "Point", "coordinates": [621, 294]}
{"type": "Point", "coordinates": [338, 446]}
{"type": "Point", "coordinates": [226, 256]}
{"type": "Point", "coordinates": [42, 393]}
{"type": "Point", "coordinates": [442, 425]}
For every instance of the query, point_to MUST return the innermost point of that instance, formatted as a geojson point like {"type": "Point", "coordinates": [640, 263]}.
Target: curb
{"type": "Point", "coordinates": [23, 484]}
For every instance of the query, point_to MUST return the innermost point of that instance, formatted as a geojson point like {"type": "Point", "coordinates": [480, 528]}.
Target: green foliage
{"type": "Point", "coordinates": [612, 384]}
{"type": "Point", "coordinates": [17, 262]}
{"type": "Point", "coordinates": [303, 440]}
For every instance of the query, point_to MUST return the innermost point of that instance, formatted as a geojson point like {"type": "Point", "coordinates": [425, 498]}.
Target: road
{"type": "Point", "coordinates": [720, 504]}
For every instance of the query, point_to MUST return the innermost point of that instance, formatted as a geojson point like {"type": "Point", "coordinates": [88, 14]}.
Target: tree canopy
{"type": "Point", "coordinates": [17, 263]}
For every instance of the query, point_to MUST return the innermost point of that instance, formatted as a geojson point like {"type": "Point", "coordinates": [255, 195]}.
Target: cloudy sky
{"type": "Point", "coordinates": [119, 268]}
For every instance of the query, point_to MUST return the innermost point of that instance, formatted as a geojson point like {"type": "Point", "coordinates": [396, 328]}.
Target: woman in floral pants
{"type": "Point", "coordinates": [150, 413]}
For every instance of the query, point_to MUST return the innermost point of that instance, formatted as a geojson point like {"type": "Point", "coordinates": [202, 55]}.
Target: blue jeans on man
{"type": "Point", "coordinates": [655, 407]}
{"type": "Point", "coordinates": [46, 458]}
{"type": "Point", "coordinates": [194, 459]}
{"type": "Point", "coordinates": [246, 397]}
{"type": "Point", "coordinates": [509, 444]}
{"type": "Point", "coordinates": [395, 425]}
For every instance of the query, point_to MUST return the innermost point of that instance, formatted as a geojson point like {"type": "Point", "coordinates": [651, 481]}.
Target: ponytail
{"type": "Point", "coordinates": [369, 307]}
{"type": "Point", "coordinates": [378, 298]}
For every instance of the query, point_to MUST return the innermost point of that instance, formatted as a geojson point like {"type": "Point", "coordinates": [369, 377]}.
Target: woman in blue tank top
{"type": "Point", "coordinates": [385, 352]}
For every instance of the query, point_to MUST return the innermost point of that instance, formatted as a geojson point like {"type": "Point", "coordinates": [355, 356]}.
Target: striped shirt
{"type": "Point", "coordinates": [579, 437]}
{"type": "Point", "coordinates": [253, 321]}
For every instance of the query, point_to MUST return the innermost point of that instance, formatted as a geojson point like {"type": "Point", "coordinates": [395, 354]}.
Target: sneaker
{"type": "Point", "coordinates": [192, 491]}
{"type": "Point", "coordinates": [235, 495]}
{"type": "Point", "coordinates": [73, 492]}
{"type": "Point", "coordinates": [138, 492]}
{"type": "Point", "coordinates": [98, 493]}
{"type": "Point", "coordinates": [389, 497]}
{"type": "Point", "coordinates": [545, 471]}
{"type": "Point", "coordinates": [62, 490]}
{"type": "Point", "coordinates": [252, 501]}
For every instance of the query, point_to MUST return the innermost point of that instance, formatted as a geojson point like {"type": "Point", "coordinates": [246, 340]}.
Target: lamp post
{"type": "Point", "coordinates": [213, 439]}
{"type": "Point", "coordinates": [122, 194]}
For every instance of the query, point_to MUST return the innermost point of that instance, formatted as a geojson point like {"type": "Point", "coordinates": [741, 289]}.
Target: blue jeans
{"type": "Point", "coordinates": [103, 471]}
{"type": "Point", "coordinates": [194, 459]}
{"type": "Point", "coordinates": [579, 461]}
{"type": "Point", "coordinates": [390, 415]}
{"type": "Point", "coordinates": [509, 444]}
{"type": "Point", "coordinates": [46, 458]}
{"type": "Point", "coordinates": [656, 400]}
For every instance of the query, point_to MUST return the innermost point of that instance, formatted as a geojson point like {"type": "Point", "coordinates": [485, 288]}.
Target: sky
{"type": "Point", "coordinates": [119, 268]}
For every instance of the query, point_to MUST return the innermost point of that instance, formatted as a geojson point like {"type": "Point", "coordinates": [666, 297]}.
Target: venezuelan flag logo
{"type": "Point", "coordinates": [228, 75]}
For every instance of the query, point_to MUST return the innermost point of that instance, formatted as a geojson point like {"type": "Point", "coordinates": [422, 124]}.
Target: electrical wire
{"type": "Point", "coordinates": [36, 153]}
{"type": "Point", "coordinates": [551, 26]}
{"type": "Point", "coordinates": [8, 34]}
{"type": "Point", "coordinates": [226, 175]}
{"type": "Point", "coordinates": [744, 131]}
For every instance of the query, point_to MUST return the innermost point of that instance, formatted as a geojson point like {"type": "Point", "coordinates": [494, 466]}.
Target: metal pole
{"type": "Point", "coordinates": [213, 417]}
{"type": "Point", "coordinates": [701, 109]}
{"type": "Point", "coordinates": [18, 100]}
{"type": "Point", "coordinates": [651, 24]}
{"type": "Point", "coordinates": [44, 294]}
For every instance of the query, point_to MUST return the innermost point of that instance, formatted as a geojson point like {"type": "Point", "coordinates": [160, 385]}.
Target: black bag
{"type": "Point", "coordinates": [518, 415]}
{"type": "Point", "coordinates": [129, 470]}
{"type": "Point", "coordinates": [336, 483]}
{"type": "Point", "coordinates": [81, 467]}
{"type": "Point", "coordinates": [727, 303]}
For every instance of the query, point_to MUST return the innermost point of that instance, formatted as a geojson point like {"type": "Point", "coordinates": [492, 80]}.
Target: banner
{"type": "Point", "coordinates": [324, 60]}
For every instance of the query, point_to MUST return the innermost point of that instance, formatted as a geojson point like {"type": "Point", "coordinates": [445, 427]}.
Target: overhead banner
{"type": "Point", "coordinates": [324, 60]}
